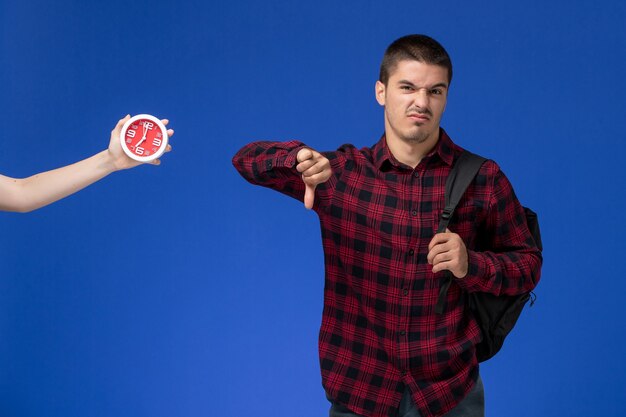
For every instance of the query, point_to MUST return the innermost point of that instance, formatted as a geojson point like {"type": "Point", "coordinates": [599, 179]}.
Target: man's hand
{"type": "Point", "coordinates": [447, 251]}
{"type": "Point", "coordinates": [315, 169]}
{"type": "Point", "coordinates": [119, 159]}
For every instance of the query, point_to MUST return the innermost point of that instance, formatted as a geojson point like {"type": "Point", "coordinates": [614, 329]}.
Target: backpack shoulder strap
{"type": "Point", "coordinates": [461, 176]}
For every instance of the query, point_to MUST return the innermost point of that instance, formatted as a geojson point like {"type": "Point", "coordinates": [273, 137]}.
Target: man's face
{"type": "Point", "coordinates": [414, 100]}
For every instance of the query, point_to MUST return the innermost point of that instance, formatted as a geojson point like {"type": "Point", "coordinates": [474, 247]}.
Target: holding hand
{"type": "Point", "coordinates": [315, 169]}
{"type": "Point", "coordinates": [447, 251]}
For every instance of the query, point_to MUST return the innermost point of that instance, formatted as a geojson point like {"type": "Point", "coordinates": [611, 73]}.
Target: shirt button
{"type": "Point", "coordinates": [416, 175]}
{"type": "Point", "coordinates": [405, 292]}
{"type": "Point", "coordinates": [411, 252]}
{"type": "Point", "coordinates": [402, 333]}
{"type": "Point", "coordinates": [414, 212]}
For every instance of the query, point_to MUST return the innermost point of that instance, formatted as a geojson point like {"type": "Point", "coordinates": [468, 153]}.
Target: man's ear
{"type": "Point", "coordinates": [379, 90]}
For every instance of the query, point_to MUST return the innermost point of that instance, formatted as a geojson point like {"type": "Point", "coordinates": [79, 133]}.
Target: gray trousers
{"type": "Point", "coordinates": [473, 405]}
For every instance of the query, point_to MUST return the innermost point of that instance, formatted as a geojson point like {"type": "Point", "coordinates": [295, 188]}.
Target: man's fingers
{"type": "Point", "coordinates": [304, 165]}
{"type": "Point", "coordinates": [452, 265]}
{"type": "Point", "coordinates": [313, 170]}
{"type": "Point", "coordinates": [442, 266]}
{"type": "Point", "coordinates": [436, 250]}
{"type": "Point", "coordinates": [309, 196]}
{"type": "Point", "coordinates": [438, 239]}
{"type": "Point", "coordinates": [315, 179]}
{"type": "Point", "coordinates": [447, 252]}
{"type": "Point", "coordinates": [441, 257]}
{"type": "Point", "coordinates": [304, 154]}
{"type": "Point", "coordinates": [313, 166]}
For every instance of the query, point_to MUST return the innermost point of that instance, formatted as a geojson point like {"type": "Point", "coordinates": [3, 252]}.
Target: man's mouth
{"type": "Point", "coordinates": [419, 117]}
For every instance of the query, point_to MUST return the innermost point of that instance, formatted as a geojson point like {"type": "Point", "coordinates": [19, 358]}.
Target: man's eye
{"type": "Point", "coordinates": [406, 88]}
{"type": "Point", "coordinates": [436, 92]}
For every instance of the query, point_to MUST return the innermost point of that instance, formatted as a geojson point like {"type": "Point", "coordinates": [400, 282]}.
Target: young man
{"type": "Point", "coordinates": [383, 349]}
{"type": "Point", "coordinates": [28, 194]}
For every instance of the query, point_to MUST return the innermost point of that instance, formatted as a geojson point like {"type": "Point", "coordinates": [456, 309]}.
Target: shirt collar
{"type": "Point", "coordinates": [383, 157]}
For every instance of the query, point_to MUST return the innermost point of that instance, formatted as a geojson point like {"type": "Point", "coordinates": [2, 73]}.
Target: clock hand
{"type": "Point", "coordinates": [145, 131]}
{"type": "Point", "coordinates": [140, 142]}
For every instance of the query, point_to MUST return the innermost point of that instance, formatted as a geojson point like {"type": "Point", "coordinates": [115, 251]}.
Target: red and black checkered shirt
{"type": "Point", "coordinates": [379, 329]}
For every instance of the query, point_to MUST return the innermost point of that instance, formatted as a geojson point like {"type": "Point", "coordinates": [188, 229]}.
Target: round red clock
{"type": "Point", "coordinates": [143, 138]}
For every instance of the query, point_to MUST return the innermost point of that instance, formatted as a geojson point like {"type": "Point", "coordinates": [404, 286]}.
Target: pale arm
{"type": "Point", "coordinates": [28, 194]}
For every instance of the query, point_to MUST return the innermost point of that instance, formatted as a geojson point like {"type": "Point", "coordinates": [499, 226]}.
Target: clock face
{"type": "Point", "coordinates": [144, 138]}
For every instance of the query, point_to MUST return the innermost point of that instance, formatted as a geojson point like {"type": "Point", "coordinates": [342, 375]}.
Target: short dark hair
{"type": "Point", "coordinates": [420, 48]}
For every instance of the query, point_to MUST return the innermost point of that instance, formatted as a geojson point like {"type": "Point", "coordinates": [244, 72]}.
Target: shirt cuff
{"type": "Point", "coordinates": [478, 272]}
{"type": "Point", "coordinates": [288, 159]}
{"type": "Point", "coordinates": [291, 160]}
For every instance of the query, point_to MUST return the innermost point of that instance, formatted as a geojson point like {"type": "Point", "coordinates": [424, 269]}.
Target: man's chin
{"type": "Point", "coordinates": [417, 138]}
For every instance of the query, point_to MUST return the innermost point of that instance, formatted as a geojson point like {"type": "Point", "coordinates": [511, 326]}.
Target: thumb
{"type": "Point", "coordinates": [120, 123]}
{"type": "Point", "coordinates": [309, 196]}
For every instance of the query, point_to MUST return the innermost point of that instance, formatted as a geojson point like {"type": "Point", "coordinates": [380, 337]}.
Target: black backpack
{"type": "Point", "coordinates": [496, 315]}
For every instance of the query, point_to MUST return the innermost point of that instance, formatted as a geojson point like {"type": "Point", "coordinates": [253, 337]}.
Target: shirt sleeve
{"type": "Point", "coordinates": [273, 165]}
{"type": "Point", "coordinates": [512, 262]}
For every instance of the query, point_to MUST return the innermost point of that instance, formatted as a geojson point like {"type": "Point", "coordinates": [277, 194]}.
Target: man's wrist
{"type": "Point", "coordinates": [477, 269]}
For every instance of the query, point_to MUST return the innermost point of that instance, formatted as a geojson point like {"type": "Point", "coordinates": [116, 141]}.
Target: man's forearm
{"type": "Point", "coordinates": [271, 164]}
{"type": "Point", "coordinates": [508, 273]}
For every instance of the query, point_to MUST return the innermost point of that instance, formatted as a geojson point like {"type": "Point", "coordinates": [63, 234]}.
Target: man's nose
{"type": "Point", "coordinates": [422, 98]}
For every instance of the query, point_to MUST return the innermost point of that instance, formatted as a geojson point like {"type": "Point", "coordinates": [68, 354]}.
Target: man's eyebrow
{"type": "Point", "coordinates": [409, 83]}
{"type": "Point", "coordinates": [439, 85]}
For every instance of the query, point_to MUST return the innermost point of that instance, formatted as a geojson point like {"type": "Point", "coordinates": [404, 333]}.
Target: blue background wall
{"type": "Point", "coordinates": [224, 321]}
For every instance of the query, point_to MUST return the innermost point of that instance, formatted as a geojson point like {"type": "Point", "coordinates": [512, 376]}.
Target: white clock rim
{"type": "Point", "coordinates": [155, 155]}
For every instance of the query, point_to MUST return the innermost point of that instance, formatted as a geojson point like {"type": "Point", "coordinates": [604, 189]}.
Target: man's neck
{"type": "Point", "coordinates": [411, 153]}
